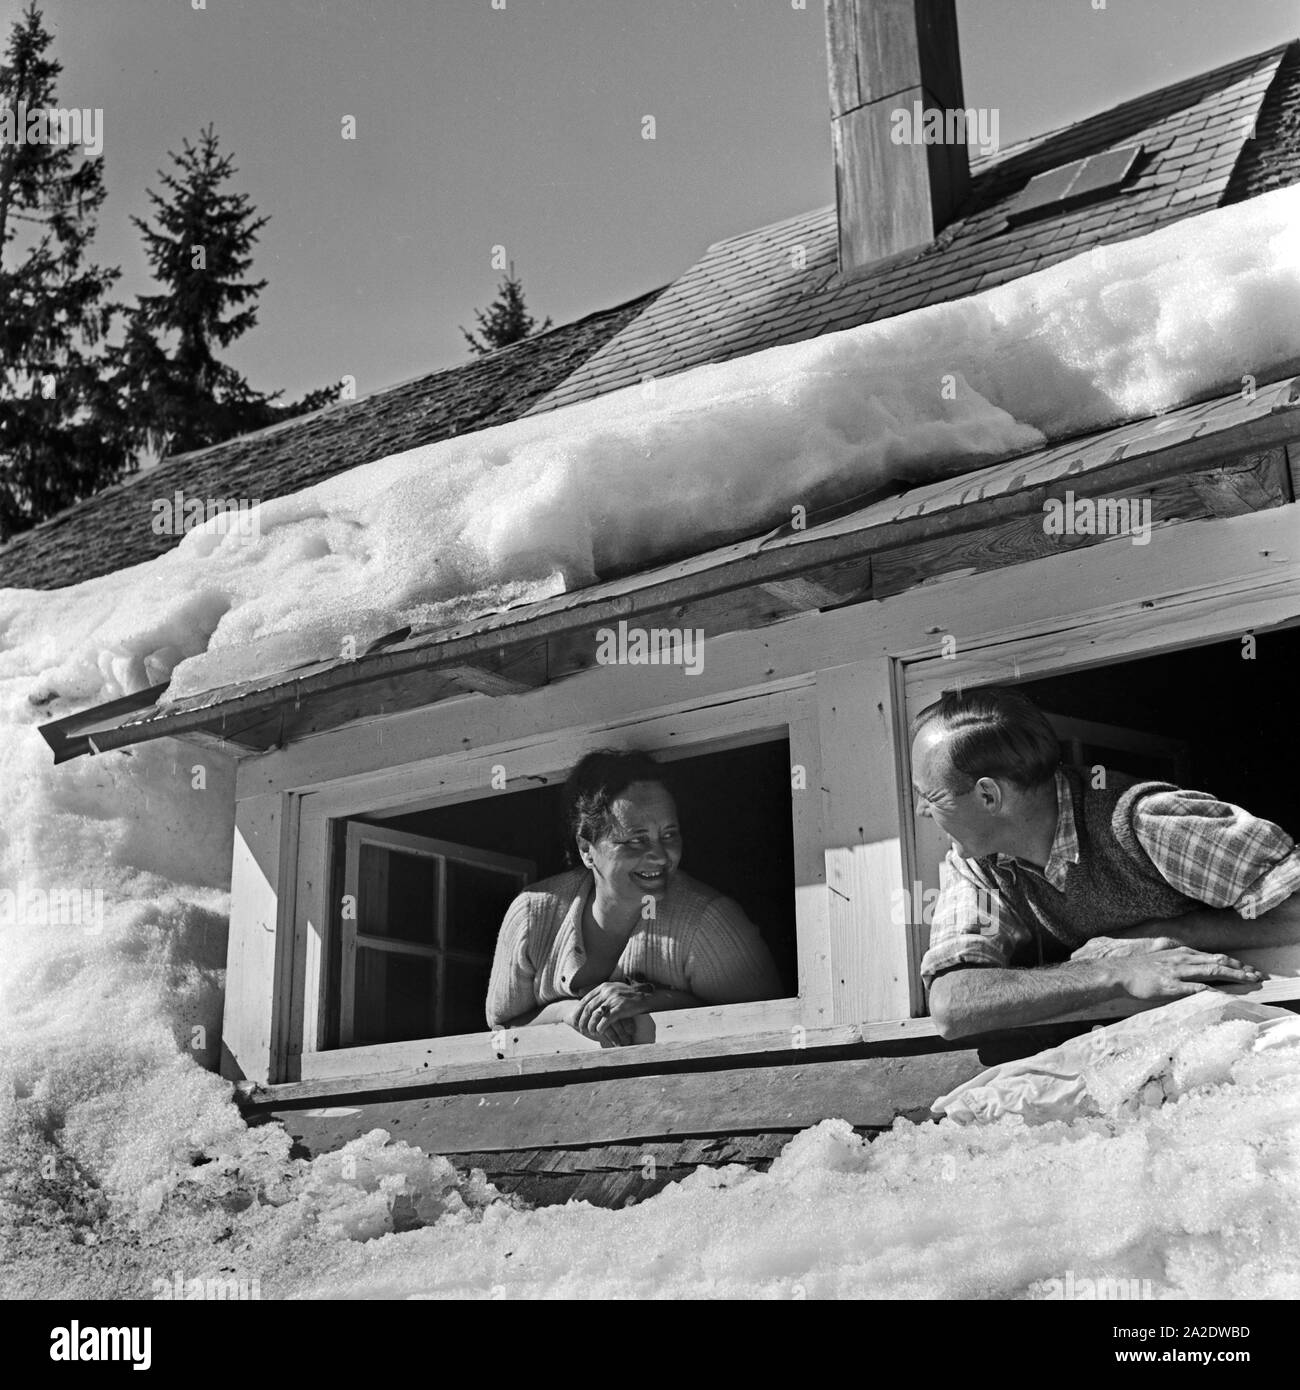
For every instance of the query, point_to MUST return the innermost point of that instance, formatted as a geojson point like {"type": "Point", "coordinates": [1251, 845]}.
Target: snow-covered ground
{"type": "Point", "coordinates": [1199, 1198]}
{"type": "Point", "coordinates": [108, 1020]}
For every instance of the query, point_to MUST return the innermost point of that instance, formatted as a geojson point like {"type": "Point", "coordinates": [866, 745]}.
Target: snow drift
{"type": "Point", "coordinates": [121, 1157]}
{"type": "Point", "coordinates": [1147, 1059]}
{"type": "Point", "coordinates": [1194, 1199]}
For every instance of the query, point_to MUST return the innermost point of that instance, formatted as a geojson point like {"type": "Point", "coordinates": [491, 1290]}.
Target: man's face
{"type": "Point", "coordinates": [964, 815]}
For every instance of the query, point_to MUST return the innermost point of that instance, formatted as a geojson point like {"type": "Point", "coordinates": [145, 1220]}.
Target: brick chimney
{"type": "Point", "coordinates": [885, 56]}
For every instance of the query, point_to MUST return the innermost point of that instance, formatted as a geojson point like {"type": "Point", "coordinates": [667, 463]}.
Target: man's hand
{"type": "Point", "coordinates": [1170, 972]}
{"type": "Point", "coordinates": [606, 1012]}
{"type": "Point", "coordinates": [1107, 946]}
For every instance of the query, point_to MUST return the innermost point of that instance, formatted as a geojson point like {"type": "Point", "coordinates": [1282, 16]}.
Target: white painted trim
{"type": "Point", "coordinates": [861, 808]}
{"type": "Point", "coordinates": [254, 1027]}
{"type": "Point", "coordinates": [789, 713]}
{"type": "Point", "coordinates": [313, 869]}
{"type": "Point", "coordinates": [771, 1025]}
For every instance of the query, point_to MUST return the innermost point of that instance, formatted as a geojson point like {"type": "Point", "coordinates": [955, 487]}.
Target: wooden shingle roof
{"type": "Point", "coordinates": [779, 284]}
{"type": "Point", "coordinates": [1271, 159]}
{"type": "Point", "coordinates": [112, 530]}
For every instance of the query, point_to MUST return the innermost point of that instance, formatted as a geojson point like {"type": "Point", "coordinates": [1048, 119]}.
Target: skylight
{"type": "Point", "coordinates": [1085, 178]}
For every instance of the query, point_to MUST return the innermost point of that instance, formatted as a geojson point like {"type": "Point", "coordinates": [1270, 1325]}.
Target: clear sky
{"type": "Point", "coordinates": [480, 126]}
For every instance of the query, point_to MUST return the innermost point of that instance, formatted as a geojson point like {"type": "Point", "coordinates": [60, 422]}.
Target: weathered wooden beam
{"type": "Point", "coordinates": [737, 610]}
{"type": "Point", "coordinates": [803, 595]}
{"type": "Point", "coordinates": [1243, 486]}
{"type": "Point", "coordinates": [524, 668]}
{"type": "Point", "coordinates": [318, 711]}
{"type": "Point", "coordinates": [1246, 485]}
{"type": "Point", "coordinates": [869, 1091]}
{"type": "Point", "coordinates": [228, 747]}
{"type": "Point", "coordinates": [485, 682]}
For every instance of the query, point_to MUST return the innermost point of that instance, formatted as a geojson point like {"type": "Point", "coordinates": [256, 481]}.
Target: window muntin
{"type": "Point", "coordinates": [419, 916]}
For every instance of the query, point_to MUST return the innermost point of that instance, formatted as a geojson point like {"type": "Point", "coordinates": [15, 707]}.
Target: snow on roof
{"type": "Point", "coordinates": [549, 502]}
{"type": "Point", "coordinates": [847, 554]}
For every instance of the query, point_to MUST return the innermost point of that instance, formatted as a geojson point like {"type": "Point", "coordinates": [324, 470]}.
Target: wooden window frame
{"type": "Point", "coordinates": [788, 714]}
{"type": "Point", "coordinates": [1105, 642]}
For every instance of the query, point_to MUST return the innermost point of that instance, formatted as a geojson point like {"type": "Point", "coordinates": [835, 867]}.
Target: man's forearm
{"type": "Point", "coordinates": [979, 1000]}
{"type": "Point", "coordinates": [1220, 929]}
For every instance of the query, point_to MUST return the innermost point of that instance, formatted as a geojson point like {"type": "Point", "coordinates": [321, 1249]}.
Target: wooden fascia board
{"type": "Point", "coordinates": [83, 732]}
{"type": "Point", "coordinates": [747, 564]}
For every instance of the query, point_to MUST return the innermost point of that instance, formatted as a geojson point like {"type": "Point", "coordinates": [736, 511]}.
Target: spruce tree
{"type": "Point", "coordinates": [177, 393]}
{"type": "Point", "coordinates": [507, 320]}
{"type": "Point", "coordinates": [58, 424]}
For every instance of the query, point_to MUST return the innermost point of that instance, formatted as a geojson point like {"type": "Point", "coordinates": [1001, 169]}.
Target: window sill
{"type": "Point", "coordinates": [689, 1035]}
{"type": "Point", "coordinates": [683, 1036]}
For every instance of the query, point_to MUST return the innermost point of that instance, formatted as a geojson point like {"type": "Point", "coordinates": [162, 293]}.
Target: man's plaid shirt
{"type": "Point", "coordinates": [1207, 849]}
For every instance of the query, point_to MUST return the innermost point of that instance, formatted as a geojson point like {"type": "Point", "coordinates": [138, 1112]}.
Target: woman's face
{"type": "Point", "coordinates": [640, 851]}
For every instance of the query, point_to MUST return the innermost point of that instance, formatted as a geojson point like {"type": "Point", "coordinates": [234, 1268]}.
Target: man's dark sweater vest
{"type": "Point", "coordinates": [1114, 884]}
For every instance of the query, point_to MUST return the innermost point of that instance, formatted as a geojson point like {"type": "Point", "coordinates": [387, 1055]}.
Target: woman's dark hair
{"type": "Point", "coordinates": [994, 732]}
{"type": "Point", "coordinates": [593, 786]}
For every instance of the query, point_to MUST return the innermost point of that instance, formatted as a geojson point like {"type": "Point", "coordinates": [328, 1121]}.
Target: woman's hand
{"type": "Point", "coordinates": [605, 1013]}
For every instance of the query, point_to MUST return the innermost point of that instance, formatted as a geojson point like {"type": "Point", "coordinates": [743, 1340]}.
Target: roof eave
{"type": "Point", "coordinates": [832, 562]}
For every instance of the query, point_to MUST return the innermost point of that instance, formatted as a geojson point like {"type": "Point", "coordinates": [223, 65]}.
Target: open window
{"type": "Point", "coordinates": [416, 887]}
{"type": "Point", "coordinates": [1213, 717]}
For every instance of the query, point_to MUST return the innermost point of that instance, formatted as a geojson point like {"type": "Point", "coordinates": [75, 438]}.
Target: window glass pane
{"type": "Point", "coordinates": [477, 899]}
{"type": "Point", "coordinates": [467, 987]}
{"type": "Point", "coordinates": [398, 895]}
{"type": "Point", "coordinates": [1051, 187]}
{"type": "Point", "coordinates": [1103, 171]}
{"type": "Point", "coordinates": [395, 1000]}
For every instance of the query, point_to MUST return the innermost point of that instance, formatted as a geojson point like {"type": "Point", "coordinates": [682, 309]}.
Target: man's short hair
{"type": "Point", "coordinates": [994, 732]}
